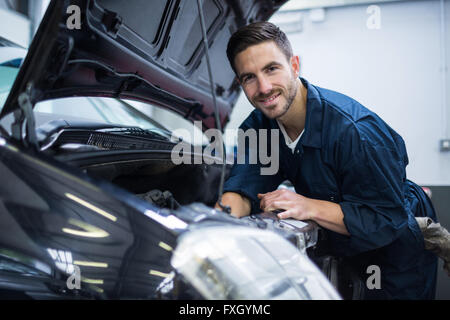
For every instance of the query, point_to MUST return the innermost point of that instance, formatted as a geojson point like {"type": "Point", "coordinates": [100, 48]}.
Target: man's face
{"type": "Point", "coordinates": [268, 79]}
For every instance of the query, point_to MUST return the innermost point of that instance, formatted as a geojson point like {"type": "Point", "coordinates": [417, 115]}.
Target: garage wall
{"type": "Point", "coordinates": [395, 71]}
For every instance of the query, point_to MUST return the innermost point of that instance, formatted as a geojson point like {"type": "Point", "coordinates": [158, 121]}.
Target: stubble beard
{"type": "Point", "coordinates": [292, 93]}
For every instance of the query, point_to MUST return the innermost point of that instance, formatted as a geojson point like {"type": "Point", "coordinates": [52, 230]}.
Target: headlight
{"type": "Point", "coordinates": [246, 263]}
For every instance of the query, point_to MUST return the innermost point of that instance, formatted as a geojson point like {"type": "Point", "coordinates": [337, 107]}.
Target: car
{"type": "Point", "coordinates": [92, 206]}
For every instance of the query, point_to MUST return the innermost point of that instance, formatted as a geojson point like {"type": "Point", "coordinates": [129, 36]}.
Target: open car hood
{"type": "Point", "coordinates": [151, 51]}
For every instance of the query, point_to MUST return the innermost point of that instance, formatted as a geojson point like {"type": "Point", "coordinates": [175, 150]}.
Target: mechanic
{"type": "Point", "coordinates": [346, 164]}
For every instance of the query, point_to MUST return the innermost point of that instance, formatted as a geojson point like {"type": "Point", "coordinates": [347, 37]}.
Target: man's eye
{"type": "Point", "coordinates": [270, 69]}
{"type": "Point", "coordinates": [247, 79]}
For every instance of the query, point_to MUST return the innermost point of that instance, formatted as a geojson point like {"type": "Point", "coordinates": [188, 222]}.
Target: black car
{"type": "Point", "coordinates": [95, 208]}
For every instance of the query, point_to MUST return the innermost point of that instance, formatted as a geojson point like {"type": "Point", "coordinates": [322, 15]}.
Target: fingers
{"type": "Point", "coordinates": [278, 204]}
{"type": "Point", "coordinates": [293, 213]}
{"type": "Point", "coordinates": [268, 205]}
{"type": "Point", "coordinates": [269, 197]}
{"type": "Point", "coordinates": [285, 214]}
{"type": "Point", "coordinates": [265, 197]}
{"type": "Point", "coordinates": [267, 194]}
{"type": "Point", "coordinates": [267, 201]}
{"type": "Point", "coordinates": [260, 195]}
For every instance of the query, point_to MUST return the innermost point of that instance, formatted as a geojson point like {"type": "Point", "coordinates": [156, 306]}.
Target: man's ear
{"type": "Point", "coordinates": [295, 64]}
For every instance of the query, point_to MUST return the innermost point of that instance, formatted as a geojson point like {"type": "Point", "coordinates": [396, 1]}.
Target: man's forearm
{"type": "Point", "coordinates": [240, 206]}
{"type": "Point", "coordinates": [328, 215]}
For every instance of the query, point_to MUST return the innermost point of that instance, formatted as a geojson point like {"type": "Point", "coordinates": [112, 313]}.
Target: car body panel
{"type": "Point", "coordinates": [53, 218]}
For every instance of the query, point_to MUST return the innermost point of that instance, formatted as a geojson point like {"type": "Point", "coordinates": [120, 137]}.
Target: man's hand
{"type": "Point", "coordinates": [296, 206]}
{"type": "Point", "coordinates": [327, 214]}
{"type": "Point", "coordinates": [240, 206]}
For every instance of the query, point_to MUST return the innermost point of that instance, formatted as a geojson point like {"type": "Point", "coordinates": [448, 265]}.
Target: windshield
{"type": "Point", "coordinates": [98, 109]}
{"type": "Point", "coordinates": [7, 76]}
{"type": "Point", "coordinates": [10, 61]}
{"type": "Point", "coordinates": [93, 109]}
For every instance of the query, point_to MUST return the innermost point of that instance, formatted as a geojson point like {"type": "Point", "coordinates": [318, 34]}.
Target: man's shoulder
{"type": "Point", "coordinates": [348, 108]}
{"type": "Point", "coordinates": [351, 120]}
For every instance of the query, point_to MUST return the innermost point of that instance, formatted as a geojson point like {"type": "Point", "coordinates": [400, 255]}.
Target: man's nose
{"type": "Point", "coordinates": [264, 85]}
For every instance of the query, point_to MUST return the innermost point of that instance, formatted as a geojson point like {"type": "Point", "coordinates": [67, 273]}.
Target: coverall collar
{"type": "Point", "coordinates": [312, 136]}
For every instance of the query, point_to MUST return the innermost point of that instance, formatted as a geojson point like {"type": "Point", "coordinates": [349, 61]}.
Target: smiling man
{"type": "Point", "coordinates": [346, 164]}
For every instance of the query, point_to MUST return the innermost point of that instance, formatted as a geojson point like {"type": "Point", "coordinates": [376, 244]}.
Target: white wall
{"type": "Point", "coordinates": [394, 71]}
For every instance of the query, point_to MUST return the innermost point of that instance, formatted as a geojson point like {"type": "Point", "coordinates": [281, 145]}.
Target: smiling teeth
{"type": "Point", "coordinates": [270, 99]}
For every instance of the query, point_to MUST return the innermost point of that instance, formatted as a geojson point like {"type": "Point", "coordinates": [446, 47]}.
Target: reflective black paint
{"type": "Point", "coordinates": [47, 205]}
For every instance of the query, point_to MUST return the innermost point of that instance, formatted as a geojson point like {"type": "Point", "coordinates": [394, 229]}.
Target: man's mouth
{"type": "Point", "coordinates": [270, 100]}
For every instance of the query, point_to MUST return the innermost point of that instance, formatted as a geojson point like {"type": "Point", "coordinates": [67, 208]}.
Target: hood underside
{"type": "Point", "coordinates": [151, 51]}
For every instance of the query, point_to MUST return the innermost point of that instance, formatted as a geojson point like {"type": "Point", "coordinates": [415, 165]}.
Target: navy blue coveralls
{"type": "Point", "coordinates": [350, 156]}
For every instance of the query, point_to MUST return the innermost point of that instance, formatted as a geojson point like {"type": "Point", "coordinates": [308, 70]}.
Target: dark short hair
{"type": "Point", "coordinates": [254, 34]}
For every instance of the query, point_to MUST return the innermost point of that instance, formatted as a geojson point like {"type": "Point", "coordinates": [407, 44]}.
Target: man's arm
{"type": "Point", "coordinates": [327, 214]}
{"type": "Point", "coordinates": [240, 205]}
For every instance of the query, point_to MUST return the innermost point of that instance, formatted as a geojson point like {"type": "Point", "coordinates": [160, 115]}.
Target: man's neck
{"type": "Point", "coordinates": [294, 119]}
